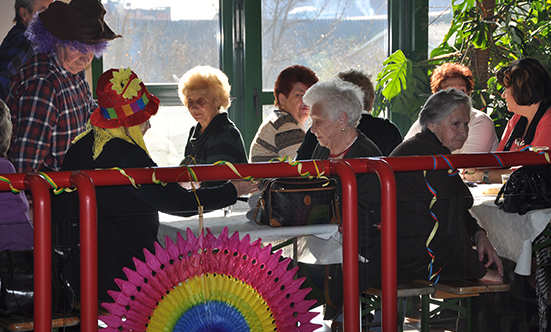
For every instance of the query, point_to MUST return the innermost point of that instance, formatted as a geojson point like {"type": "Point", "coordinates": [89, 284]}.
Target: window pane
{"type": "Point", "coordinates": [162, 39]}
{"type": "Point", "coordinates": [167, 137]}
{"type": "Point", "coordinates": [327, 36]}
{"type": "Point", "coordinates": [440, 17]}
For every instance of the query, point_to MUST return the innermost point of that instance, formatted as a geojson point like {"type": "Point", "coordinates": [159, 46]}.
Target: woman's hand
{"type": "Point", "coordinates": [470, 174]}
{"type": "Point", "coordinates": [492, 276]}
{"type": "Point", "coordinates": [244, 187]}
{"type": "Point", "coordinates": [484, 247]}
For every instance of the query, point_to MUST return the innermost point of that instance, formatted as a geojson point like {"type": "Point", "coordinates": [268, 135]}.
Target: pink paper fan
{"type": "Point", "coordinates": [207, 283]}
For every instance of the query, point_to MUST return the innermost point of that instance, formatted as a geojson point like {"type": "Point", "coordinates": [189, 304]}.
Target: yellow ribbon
{"type": "Point", "coordinates": [193, 178]}
{"type": "Point", "coordinates": [154, 179]}
{"type": "Point", "coordinates": [132, 181]}
{"type": "Point", "coordinates": [13, 190]}
{"type": "Point", "coordinates": [298, 165]}
{"type": "Point", "coordinates": [230, 165]}
{"type": "Point", "coordinates": [57, 190]}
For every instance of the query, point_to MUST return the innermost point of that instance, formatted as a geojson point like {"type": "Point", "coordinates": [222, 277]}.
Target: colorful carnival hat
{"type": "Point", "coordinates": [123, 100]}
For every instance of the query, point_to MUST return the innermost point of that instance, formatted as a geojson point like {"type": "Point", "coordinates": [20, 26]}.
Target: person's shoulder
{"type": "Point", "coordinates": [418, 144]}
{"type": "Point", "coordinates": [6, 166]}
{"type": "Point", "coordinates": [284, 119]}
{"type": "Point", "coordinates": [15, 37]}
{"type": "Point", "coordinates": [479, 117]}
{"type": "Point", "coordinates": [547, 115]}
{"type": "Point", "coordinates": [367, 146]}
{"type": "Point", "coordinates": [40, 67]}
{"type": "Point", "coordinates": [368, 119]}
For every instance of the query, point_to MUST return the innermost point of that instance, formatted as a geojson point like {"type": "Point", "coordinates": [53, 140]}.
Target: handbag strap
{"type": "Point", "coordinates": [498, 197]}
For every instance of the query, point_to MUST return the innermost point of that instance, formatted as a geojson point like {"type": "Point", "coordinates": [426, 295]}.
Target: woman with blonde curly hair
{"type": "Point", "coordinates": [205, 92]}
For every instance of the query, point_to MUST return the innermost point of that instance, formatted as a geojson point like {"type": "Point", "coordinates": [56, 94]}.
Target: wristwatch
{"type": "Point", "coordinates": [486, 176]}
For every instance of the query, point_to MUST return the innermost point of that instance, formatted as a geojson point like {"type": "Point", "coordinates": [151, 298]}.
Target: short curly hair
{"type": "Point", "coordinates": [5, 129]}
{"type": "Point", "coordinates": [206, 80]}
{"type": "Point", "coordinates": [527, 80]}
{"type": "Point", "coordinates": [363, 80]}
{"type": "Point", "coordinates": [450, 70]}
{"type": "Point", "coordinates": [291, 75]}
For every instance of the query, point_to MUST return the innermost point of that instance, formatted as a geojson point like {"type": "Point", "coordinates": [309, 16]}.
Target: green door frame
{"type": "Point", "coordinates": [241, 60]}
{"type": "Point", "coordinates": [408, 31]}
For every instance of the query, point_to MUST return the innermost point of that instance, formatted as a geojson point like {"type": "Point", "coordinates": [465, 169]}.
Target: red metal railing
{"type": "Point", "coordinates": [383, 167]}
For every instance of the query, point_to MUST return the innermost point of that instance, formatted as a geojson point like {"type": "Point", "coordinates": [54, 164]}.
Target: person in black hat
{"type": "Point", "coordinates": [49, 99]}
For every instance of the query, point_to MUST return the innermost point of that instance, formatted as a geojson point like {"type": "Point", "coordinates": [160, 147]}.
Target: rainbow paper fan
{"type": "Point", "coordinates": [210, 284]}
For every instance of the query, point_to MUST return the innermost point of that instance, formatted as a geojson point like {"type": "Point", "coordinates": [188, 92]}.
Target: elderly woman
{"type": "Point", "coordinates": [482, 135]}
{"type": "Point", "coordinates": [335, 109]}
{"type": "Point", "coordinates": [49, 98]}
{"type": "Point", "coordinates": [205, 92]}
{"type": "Point", "coordinates": [16, 231]}
{"type": "Point", "coordinates": [445, 126]}
{"type": "Point", "coordinates": [528, 95]}
{"type": "Point", "coordinates": [281, 133]}
{"type": "Point", "coordinates": [128, 217]}
{"type": "Point", "coordinates": [381, 131]}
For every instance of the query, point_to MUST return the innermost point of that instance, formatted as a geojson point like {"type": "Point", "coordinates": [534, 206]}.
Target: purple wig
{"type": "Point", "coordinates": [44, 42]}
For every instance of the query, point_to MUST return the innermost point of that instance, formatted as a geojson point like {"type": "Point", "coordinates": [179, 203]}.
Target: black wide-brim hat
{"type": "Point", "coordinates": [80, 20]}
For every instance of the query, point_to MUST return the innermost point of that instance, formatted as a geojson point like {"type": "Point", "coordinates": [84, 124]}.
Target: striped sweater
{"type": "Point", "coordinates": [278, 136]}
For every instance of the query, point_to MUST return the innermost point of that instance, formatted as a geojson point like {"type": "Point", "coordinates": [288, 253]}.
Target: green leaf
{"type": "Point", "coordinates": [395, 74]}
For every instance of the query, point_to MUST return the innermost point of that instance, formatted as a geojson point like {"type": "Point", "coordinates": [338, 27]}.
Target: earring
{"type": "Point", "coordinates": [343, 128]}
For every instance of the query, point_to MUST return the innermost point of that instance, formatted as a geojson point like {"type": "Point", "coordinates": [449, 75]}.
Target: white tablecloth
{"type": "Point", "coordinates": [510, 233]}
{"type": "Point", "coordinates": [319, 244]}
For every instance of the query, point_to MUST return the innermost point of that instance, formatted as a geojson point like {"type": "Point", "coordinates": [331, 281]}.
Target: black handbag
{"type": "Point", "coordinates": [17, 283]}
{"type": "Point", "coordinates": [297, 202]}
{"type": "Point", "coordinates": [528, 188]}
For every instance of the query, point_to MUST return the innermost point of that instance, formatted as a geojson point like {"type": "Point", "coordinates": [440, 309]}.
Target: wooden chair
{"type": "Point", "coordinates": [27, 324]}
{"type": "Point", "coordinates": [446, 294]}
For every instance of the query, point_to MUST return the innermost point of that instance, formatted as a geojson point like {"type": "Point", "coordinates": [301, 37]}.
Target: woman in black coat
{"type": "Point", "coordinates": [436, 232]}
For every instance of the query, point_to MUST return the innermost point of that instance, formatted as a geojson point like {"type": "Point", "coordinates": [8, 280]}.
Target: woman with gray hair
{"type": "Point", "coordinates": [16, 232]}
{"type": "Point", "coordinates": [436, 232]}
{"type": "Point", "coordinates": [335, 109]}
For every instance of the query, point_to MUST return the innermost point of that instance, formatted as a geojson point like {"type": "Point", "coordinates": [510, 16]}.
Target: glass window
{"type": "Point", "coordinates": [163, 39]}
{"type": "Point", "coordinates": [440, 17]}
{"type": "Point", "coordinates": [327, 36]}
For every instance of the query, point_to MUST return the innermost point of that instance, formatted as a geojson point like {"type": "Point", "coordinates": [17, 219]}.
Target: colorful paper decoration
{"type": "Point", "coordinates": [210, 284]}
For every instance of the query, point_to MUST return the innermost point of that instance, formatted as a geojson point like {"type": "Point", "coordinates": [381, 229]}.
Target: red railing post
{"type": "Point", "coordinates": [351, 287]}
{"type": "Point", "coordinates": [42, 210]}
{"type": "Point", "coordinates": [389, 280]}
{"type": "Point", "coordinates": [88, 250]}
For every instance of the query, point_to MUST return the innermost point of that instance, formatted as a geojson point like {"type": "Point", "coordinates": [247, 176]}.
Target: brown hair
{"type": "Point", "coordinates": [291, 75]}
{"type": "Point", "coordinates": [449, 70]}
{"type": "Point", "coordinates": [527, 80]}
{"type": "Point", "coordinates": [363, 80]}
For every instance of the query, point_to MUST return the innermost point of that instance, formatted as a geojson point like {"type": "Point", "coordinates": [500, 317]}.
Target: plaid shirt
{"type": "Point", "coordinates": [14, 52]}
{"type": "Point", "coordinates": [49, 108]}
